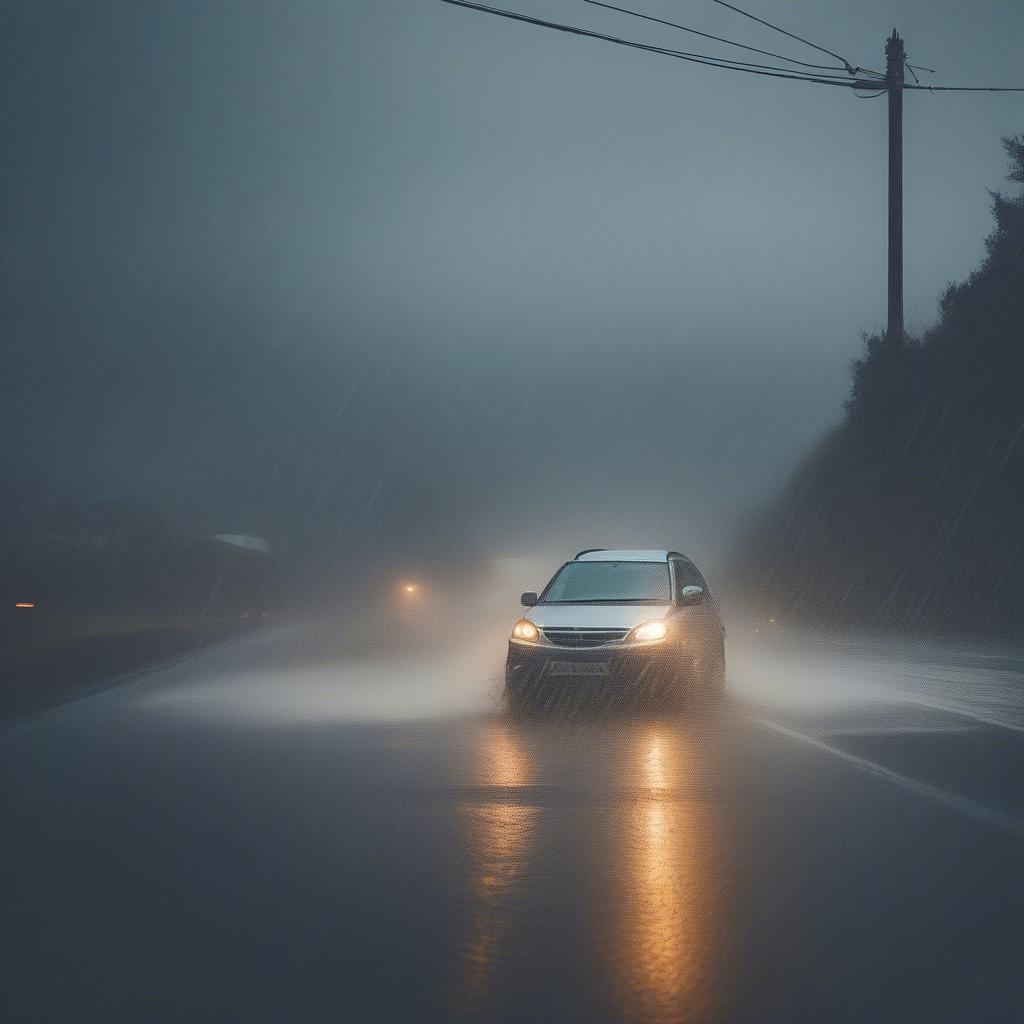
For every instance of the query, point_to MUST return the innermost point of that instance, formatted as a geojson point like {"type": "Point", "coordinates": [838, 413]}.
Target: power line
{"type": "Point", "coordinates": [764, 70]}
{"type": "Point", "coordinates": [717, 39]}
{"type": "Point", "coordinates": [746, 14]}
{"type": "Point", "coordinates": [965, 88]}
{"type": "Point", "coordinates": [715, 62]}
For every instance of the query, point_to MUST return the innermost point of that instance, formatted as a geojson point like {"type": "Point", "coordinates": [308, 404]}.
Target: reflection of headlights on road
{"type": "Point", "coordinates": [648, 632]}
{"type": "Point", "coordinates": [525, 631]}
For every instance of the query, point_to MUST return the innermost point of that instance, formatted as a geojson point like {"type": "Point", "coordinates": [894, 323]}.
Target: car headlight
{"type": "Point", "coordinates": [525, 631]}
{"type": "Point", "coordinates": [648, 632]}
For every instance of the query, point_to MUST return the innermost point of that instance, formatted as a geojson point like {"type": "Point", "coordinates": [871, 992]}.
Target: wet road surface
{"type": "Point", "coordinates": [239, 836]}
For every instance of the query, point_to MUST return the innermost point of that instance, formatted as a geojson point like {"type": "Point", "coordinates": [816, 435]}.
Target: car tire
{"type": "Point", "coordinates": [708, 681]}
{"type": "Point", "coordinates": [520, 692]}
{"type": "Point", "coordinates": [714, 680]}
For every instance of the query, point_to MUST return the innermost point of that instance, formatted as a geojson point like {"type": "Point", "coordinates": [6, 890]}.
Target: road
{"type": "Point", "coordinates": [274, 830]}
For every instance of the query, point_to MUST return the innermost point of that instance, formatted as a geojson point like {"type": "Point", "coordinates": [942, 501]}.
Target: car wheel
{"type": "Point", "coordinates": [709, 680]}
{"type": "Point", "coordinates": [520, 692]}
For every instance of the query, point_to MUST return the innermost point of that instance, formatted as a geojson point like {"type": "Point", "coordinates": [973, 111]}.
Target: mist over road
{"type": "Point", "coordinates": [276, 829]}
{"type": "Point", "coordinates": [331, 327]}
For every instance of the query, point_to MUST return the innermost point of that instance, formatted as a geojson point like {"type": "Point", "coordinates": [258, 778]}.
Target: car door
{"type": "Point", "coordinates": [705, 617]}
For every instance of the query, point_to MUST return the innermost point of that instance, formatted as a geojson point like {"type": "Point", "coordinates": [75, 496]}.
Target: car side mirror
{"type": "Point", "coordinates": [691, 595]}
{"type": "Point", "coordinates": [528, 599]}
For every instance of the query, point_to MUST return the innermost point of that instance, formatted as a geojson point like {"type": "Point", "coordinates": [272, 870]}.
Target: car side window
{"type": "Point", "coordinates": [685, 574]}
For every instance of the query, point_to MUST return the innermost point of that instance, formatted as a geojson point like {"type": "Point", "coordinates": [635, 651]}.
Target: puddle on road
{"type": "Point", "coordinates": [652, 885]}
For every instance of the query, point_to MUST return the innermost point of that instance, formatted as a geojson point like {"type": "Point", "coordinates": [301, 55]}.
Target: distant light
{"type": "Point", "coordinates": [24, 604]}
{"type": "Point", "coordinates": [410, 588]}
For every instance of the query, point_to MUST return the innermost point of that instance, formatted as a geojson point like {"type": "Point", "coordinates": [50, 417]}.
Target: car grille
{"type": "Point", "coordinates": [584, 637]}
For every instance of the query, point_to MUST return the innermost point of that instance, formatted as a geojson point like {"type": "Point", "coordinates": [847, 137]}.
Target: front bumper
{"type": "Point", "coordinates": [623, 670]}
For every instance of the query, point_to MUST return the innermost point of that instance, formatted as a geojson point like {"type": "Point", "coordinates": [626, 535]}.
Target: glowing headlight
{"type": "Point", "coordinates": [526, 631]}
{"type": "Point", "coordinates": [648, 632]}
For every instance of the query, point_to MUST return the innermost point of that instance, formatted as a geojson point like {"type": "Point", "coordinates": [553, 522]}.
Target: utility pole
{"type": "Point", "coordinates": [895, 57]}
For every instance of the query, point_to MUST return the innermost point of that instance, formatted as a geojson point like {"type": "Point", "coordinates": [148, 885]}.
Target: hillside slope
{"type": "Point", "coordinates": [910, 514]}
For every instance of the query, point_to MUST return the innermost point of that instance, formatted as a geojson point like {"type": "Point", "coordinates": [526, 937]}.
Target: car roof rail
{"type": "Point", "coordinates": [588, 551]}
{"type": "Point", "coordinates": [679, 554]}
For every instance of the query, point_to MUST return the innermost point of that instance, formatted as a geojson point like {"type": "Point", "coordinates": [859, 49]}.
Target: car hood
{"type": "Point", "coordinates": [595, 616]}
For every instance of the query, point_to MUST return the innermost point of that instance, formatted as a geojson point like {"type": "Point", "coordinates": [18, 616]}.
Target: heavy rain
{"type": "Point", "coordinates": [512, 512]}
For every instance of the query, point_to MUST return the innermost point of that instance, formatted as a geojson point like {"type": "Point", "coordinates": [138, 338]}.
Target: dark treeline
{"type": "Point", "coordinates": [909, 514]}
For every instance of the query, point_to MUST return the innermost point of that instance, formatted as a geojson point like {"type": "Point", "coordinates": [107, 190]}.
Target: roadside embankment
{"type": "Point", "coordinates": [47, 670]}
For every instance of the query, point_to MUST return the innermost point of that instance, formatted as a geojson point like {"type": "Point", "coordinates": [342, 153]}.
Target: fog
{"type": "Point", "coordinates": [330, 331]}
{"type": "Point", "coordinates": [398, 278]}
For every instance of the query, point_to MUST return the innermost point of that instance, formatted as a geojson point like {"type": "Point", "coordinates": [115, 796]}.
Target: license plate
{"type": "Point", "coordinates": [578, 668]}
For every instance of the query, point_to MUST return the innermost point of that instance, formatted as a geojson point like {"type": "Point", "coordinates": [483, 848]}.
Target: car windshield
{"type": "Point", "coordinates": [621, 582]}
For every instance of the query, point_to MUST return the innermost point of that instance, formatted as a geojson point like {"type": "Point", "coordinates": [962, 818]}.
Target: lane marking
{"type": "Point", "coordinates": [965, 713]}
{"type": "Point", "coordinates": [989, 815]}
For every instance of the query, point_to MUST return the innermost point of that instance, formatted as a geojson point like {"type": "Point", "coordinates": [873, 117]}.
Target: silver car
{"type": "Point", "coordinates": [636, 624]}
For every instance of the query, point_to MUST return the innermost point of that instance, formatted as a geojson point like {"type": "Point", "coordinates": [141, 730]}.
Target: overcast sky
{"type": "Point", "coordinates": [405, 274]}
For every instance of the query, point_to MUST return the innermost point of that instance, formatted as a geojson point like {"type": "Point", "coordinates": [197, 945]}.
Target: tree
{"type": "Point", "coordinates": [909, 513]}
